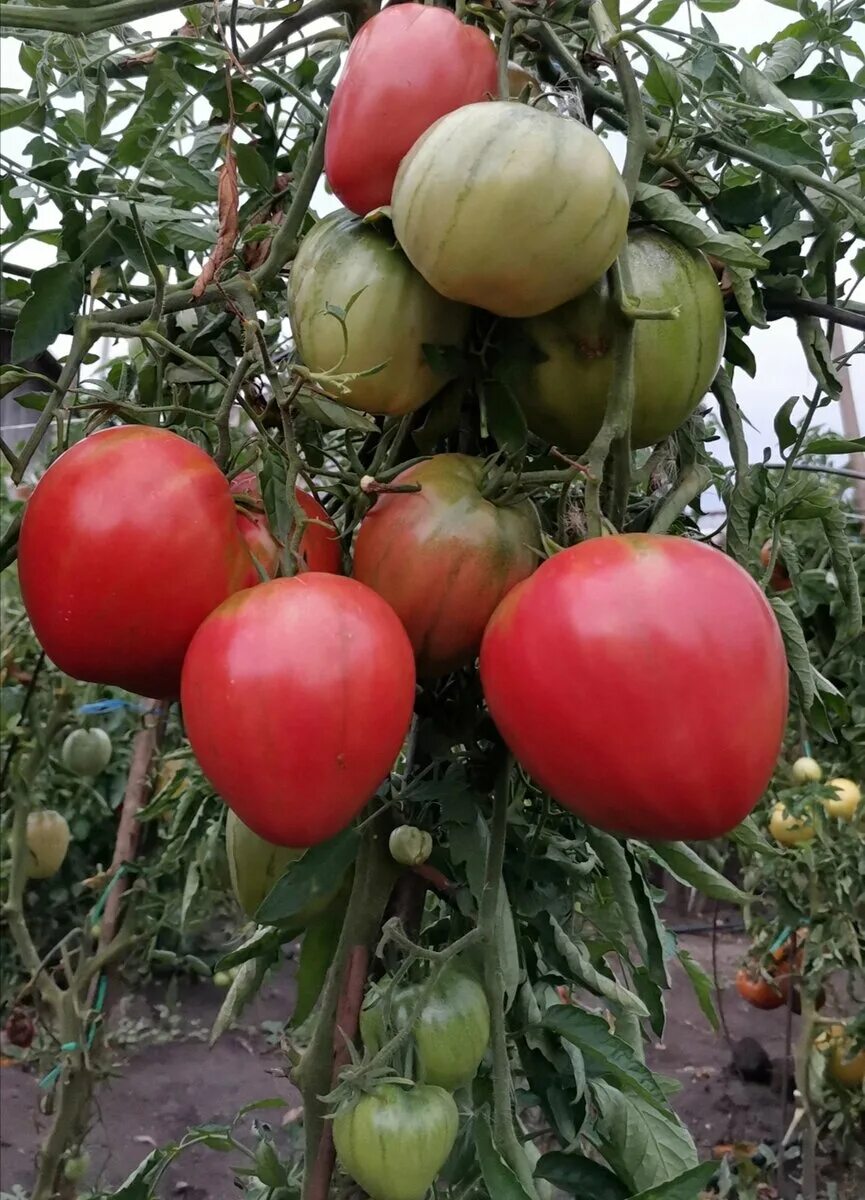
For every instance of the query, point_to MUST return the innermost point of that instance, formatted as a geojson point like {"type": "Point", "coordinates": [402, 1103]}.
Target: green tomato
{"type": "Point", "coordinates": [86, 751]}
{"type": "Point", "coordinates": [409, 845]}
{"type": "Point", "coordinates": [75, 1168]}
{"type": "Point", "coordinates": [222, 979]}
{"type": "Point", "coordinates": [451, 1034]}
{"type": "Point", "coordinates": [395, 1140]}
{"type": "Point", "coordinates": [47, 842]}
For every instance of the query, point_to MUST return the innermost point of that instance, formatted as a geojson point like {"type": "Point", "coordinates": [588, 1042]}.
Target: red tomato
{"type": "Point", "coordinates": [409, 65]}
{"type": "Point", "coordinates": [780, 580]}
{"type": "Point", "coordinates": [642, 680]}
{"type": "Point", "coordinates": [444, 557]}
{"type": "Point", "coordinates": [297, 695]}
{"type": "Point", "coordinates": [758, 991]}
{"type": "Point", "coordinates": [319, 547]}
{"type": "Point", "coordinates": [128, 542]}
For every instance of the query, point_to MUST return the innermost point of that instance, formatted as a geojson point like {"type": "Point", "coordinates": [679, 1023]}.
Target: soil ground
{"type": "Point", "coordinates": [170, 1080]}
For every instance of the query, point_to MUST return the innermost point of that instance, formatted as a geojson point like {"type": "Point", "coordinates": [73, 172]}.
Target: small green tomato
{"type": "Point", "coordinates": [410, 846]}
{"type": "Point", "coordinates": [806, 770]}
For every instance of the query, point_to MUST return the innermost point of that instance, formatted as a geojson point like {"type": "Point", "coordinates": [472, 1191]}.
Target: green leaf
{"type": "Point", "coordinates": [54, 300]}
{"type": "Point", "coordinates": [684, 1187]}
{"type": "Point", "coordinates": [264, 943]}
{"type": "Point", "coordinates": [643, 1145]}
{"type": "Point", "coordinates": [664, 11]}
{"type": "Point", "coordinates": [95, 115]}
{"type": "Point", "coordinates": [785, 430]}
{"type": "Point", "coordinates": [505, 418]}
{"type": "Point", "coordinates": [787, 148]}
{"type": "Point", "coordinates": [255, 171]}
{"type": "Point", "coordinates": [500, 1180]}
{"type": "Point", "coordinates": [14, 110]}
{"type": "Point", "coordinates": [581, 1177]}
{"type": "Point", "coordinates": [785, 57]}
{"type": "Point", "coordinates": [835, 445]}
{"type": "Point", "coordinates": [748, 498]}
{"type": "Point", "coordinates": [663, 82]}
{"type": "Point", "coordinates": [316, 954]}
{"type": "Point", "coordinates": [607, 1053]}
{"type": "Point", "coordinates": [748, 835]}
{"type": "Point", "coordinates": [764, 92]}
{"type": "Point", "coordinates": [828, 83]}
{"type": "Point", "coordinates": [738, 353]}
{"type": "Point", "coordinates": [333, 415]}
{"type": "Point", "coordinates": [685, 864]}
{"type": "Point", "coordinates": [190, 888]}
{"type": "Point", "coordinates": [716, 6]}
{"type": "Point", "coordinates": [818, 354]}
{"type": "Point", "coordinates": [612, 854]}
{"type": "Point", "coordinates": [663, 208]}
{"type": "Point", "coordinates": [578, 962]}
{"type": "Point", "coordinates": [309, 879]}
{"type": "Point", "coordinates": [703, 987]}
{"type": "Point", "coordinates": [243, 987]}
{"type": "Point", "coordinates": [798, 659]}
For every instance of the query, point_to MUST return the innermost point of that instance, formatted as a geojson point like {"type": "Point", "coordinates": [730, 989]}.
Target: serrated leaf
{"type": "Point", "coordinates": [798, 659]}
{"type": "Point", "coordinates": [663, 208]}
{"type": "Point", "coordinates": [748, 297]}
{"type": "Point", "coordinates": [749, 496]}
{"type": "Point", "coordinates": [828, 83]}
{"type": "Point", "coordinates": [607, 1053]}
{"type": "Point", "coordinates": [578, 962]}
{"type": "Point", "coordinates": [685, 864]}
{"type": "Point", "coordinates": [94, 118]}
{"type": "Point", "coordinates": [704, 989]}
{"type": "Point", "coordinates": [612, 854]}
{"type": "Point", "coordinates": [500, 1180]}
{"type": "Point", "coordinates": [643, 1145]}
{"type": "Point", "coordinates": [580, 1176]}
{"type": "Point", "coordinates": [785, 430]}
{"type": "Point", "coordinates": [684, 1187]}
{"type": "Point", "coordinates": [55, 298]}
{"type": "Point", "coordinates": [748, 835]}
{"type": "Point", "coordinates": [190, 888]}
{"type": "Point", "coordinates": [311, 878]}
{"type": "Point", "coordinates": [788, 148]}
{"type": "Point", "coordinates": [316, 954]}
{"type": "Point", "coordinates": [818, 354]}
{"type": "Point", "coordinates": [763, 91]}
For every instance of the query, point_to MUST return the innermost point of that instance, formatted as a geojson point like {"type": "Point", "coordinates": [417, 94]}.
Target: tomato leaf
{"type": "Point", "coordinates": [14, 110]}
{"type": "Point", "coordinates": [579, 964]}
{"type": "Point", "coordinates": [836, 445]}
{"type": "Point", "coordinates": [785, 430]}
{"type": "Point", "coordinates": [618, 870]}
{"type": "Point", "coordinates": [607, 1053]}
{"type": "Point", "coordinates": [703, 987]}
{"type": "Point", "coordinates": [663, 83]}
{"type": "Point", "coordinates": [581, 1176]}
{"type": "Point", "coordinates": [663, 208]}
{"type": "Point", "coordinates": [796, 647]}
{"type": "Point", "coordinates": [764, 92]}
{"type": "Point", "coordinates": [243, 987]}
{"type": "Point", "coordinates": [685, 864]}
{"type": "Point", "coordinates": [818, 354]}
{"type": "Point", "coordinates": [500, 1180]}
{"type": "Point", "coordinates": [664, 12]}
{"type": "Point", "coordinates": [333, 415]}
{"type": "Point", "coordinates": [263, 943]}
{"type": "Point", "coordinates": [316, 954]}
{"type": "Point", "coordinates": [54, 300]}
{"type": "Point", "coordinates": [309, 879]}
{"type": "Point", "coordinates": [683, 1186]}
{"type": "Point", "coordinates": [645, 1146]}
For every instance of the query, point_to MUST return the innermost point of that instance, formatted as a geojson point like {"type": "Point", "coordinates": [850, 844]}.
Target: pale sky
{"type": "Point", "coordinates": [781, 369]}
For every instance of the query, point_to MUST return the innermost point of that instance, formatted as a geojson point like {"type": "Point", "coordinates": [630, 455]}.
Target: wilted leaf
{"type": "Point", "coordinates": [227, 200]}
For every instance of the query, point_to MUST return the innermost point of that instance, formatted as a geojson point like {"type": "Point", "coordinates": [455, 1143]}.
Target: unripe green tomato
{"type": "Point", "coordinates": [254, 864]}
{"type": "Point", "coordinates": [75, 1168]}
{"type": "Point", "coordinates": [96, 930]}
{"type": "Point", "coordinates": [47, 842]}
{"type": "Point", "coordinates": [806, 770]}
{"type": "Point", "coordinates": [86, 752]}
{"type": "Point", "coordinates": [409, 845]}
{"type": "Point", "coordinates": [222, 979]}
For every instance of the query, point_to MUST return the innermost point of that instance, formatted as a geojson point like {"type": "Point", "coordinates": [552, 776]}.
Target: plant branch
{"type": "Point", "coordinates": [791, 305]}
{"type": "Point", "coordinates": [284, 243]}
{"type": "Point", "coordinates": [695, 479]}
{"type": "Point", "coordinates": [82, 21]}
{"type": "Point", "coordinates": [273, 41]}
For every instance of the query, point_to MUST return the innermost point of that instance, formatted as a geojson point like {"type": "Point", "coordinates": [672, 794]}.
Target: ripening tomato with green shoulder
{"type": "Point", "coordinates": [394, 1140]}
{"type": "Point", "coordinates": [564, 392]}
{"type": "Point", "coordinates": [845, 1062]}
{"type": "Point", "coordinates": [408, 65]}
{"type": "Point", "coordinates": [451, 1033]}
{"type": "Point", "coordinates": [297, 695]}
{"type": "Point", "coordinates": [444, 557]}
{"type": "Point", "coordinates": [389, 313]}
{"type": "Point", "coordinates": [128, 542]}
{"type": "Point", "coordinates": [641, 679]}
{"type": "Point", "coordinates": [319, 546]}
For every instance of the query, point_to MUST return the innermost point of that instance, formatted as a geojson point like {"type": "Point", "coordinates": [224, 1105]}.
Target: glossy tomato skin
{"type": "Point", "coordinates": [395, 1140]}
{"type": "Point", "coordinates": [760, 992]}
{"type": "Point", "coordinates": [409, 65]}
{"type": "Point", "coordinates": [642, 680]}
{"type": "Point", "coordinates": [445, 556]}
{"type": "Point", "coordinates": [128, 542]}
{"type": "Point", "coordinates": [319, 546]}
{"type": "Point", "coordinates": [297, 695]}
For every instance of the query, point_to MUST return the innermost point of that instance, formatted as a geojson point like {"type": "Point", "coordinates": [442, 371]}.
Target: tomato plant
{"type": "Point", "coordinates": [465, 553]}
{"type": "Point", "coordinates": [319, 546]}
{"type": "Point", "coordinates": [408, 66]}
{"type": "Point", "coordinates": [258, 706]}
{"type": "Point", "coordinates": [128, 542]}
{"type": "Point", "coordinates": [630, 628]}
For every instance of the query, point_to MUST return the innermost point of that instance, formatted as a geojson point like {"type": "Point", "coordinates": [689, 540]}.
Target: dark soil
{"type": "Point", "coordinates": [166, 1087]}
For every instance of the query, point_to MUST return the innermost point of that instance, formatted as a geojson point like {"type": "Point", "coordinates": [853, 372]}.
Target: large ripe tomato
{"type": "Point", "coordinates": [390, 313]}
{"type": "Point", "coordinates": [674, 361]}
{"type": "Point", "coordinates": [128, 542]}
{"type": "Point", "coordinates": [395, 1139]}
{"type": "Point", "coordinates": [408, 66]}
{"type": "Point", "coordinates": [509, 208]}
{"type": "Point", "coordinates": [444, 557]}
{"type": "Point", "coordinates": [297, 695]}
{"type": "Point", "coordinates": [451, 1034]}
{"type": "Point", "coordinates": [319, 546]}
{"type": "Point", "coordinates": [761, 992]}
{"type": "Point", "coordinates": [642, 680]}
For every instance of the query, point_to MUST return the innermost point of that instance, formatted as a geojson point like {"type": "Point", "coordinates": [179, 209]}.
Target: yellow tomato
{"type": "Point", "coordinates": [843, 1066]}
{"type": "Point", "coordinates": [848, 795]}
{"type": "Point", "coordinates": [806, 770]}
{"type": "Point", "coordinates": [789, 830]}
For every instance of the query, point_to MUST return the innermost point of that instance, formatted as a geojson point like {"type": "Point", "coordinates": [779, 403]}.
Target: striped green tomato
{"type": "Point", "coordinates": [675, 361]}
{"type": "Point", "coordinates": [509, 208]}
{"type": "Point", "coordinates": [395, 1140]}
{"type": "Point", "coordinates": [389, 313]}
{"type": "Point", "coordinates": [451, 1033]}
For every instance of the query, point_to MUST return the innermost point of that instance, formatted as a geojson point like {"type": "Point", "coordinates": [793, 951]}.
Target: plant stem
{"type": "Point", "coordinates": [223, 413]}
{"type": "Point", "coordinates": [694, 480]}
{"type": "Point", "coordinates": [82, 21]}
{"type": "Point", "coordinates": [284, 243]}
{"type": "Point", "coordinates": [504, 57]}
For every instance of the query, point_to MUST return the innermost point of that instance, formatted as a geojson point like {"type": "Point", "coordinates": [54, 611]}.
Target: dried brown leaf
{"type": "Point", "coordinates": [228, 200]}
